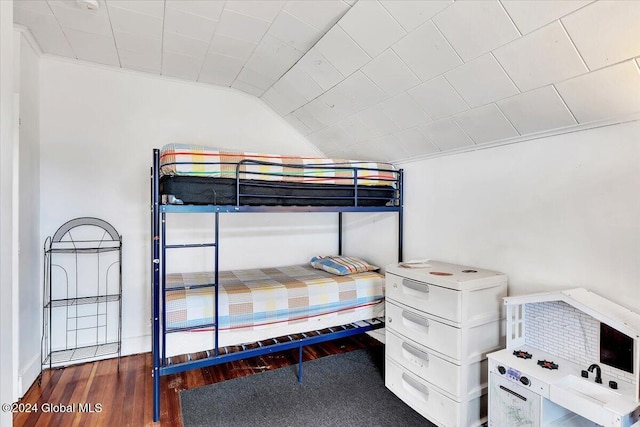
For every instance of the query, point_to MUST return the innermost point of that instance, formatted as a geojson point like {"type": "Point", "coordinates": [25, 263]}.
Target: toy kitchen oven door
{"type": "Point", "coordinates": [510, 403]}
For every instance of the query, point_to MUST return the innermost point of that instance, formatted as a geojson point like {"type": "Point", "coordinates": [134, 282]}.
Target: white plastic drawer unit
{"type": "Point", "coordinates": [456, 380]}
{"type": "Point", "coordinates": [431, 403]}
{"type": "Point", "coordinates": [457, 293]}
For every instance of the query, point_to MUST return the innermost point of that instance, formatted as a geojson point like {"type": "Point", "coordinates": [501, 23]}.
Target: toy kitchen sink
{"type": "Point", "coordinates": [572, 360]}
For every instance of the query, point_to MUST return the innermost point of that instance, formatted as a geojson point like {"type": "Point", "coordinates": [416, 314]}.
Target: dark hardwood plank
{"type": "Point", "coordinates": [126, 396]}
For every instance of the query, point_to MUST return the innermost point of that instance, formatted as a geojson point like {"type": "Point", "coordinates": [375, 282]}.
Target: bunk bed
{"type": "Point", "coordinates": [232, 315]}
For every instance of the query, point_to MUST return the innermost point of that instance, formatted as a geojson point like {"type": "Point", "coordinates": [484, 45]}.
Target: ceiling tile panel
{"type": "Point", "coordinates": [135, 23]}
{"type": "Point", "coordinates": [540, 58]}
{"type": "Point", "coordinates": [340, 102]}
{"type": "Point", "coordinates": [361, 90]}
{"type": "Point", "coordinates": [343, 153]}
{"type": "Point", "coordinates": [603, 94]}
{"type": "Point", "coordinates": [384, 149]}
{"type": "Point", "coordinates": [535, 111]}
{"type": "Point", "coordinates": [321, 14]}
{"type": "Point", "coordinates": [153, 8]}
{"type": "Point", "coordinates": [330, 138]}
{"type": "Point", "coordinates": [184, 45]}
{"type": "Point", "coordinates": [285, 88]}
{"type": "Point", "coordinates": [256, 79]}
{"type": "Point", "coordinates": [427, 52]}
{"type": "Point", "coordinates": [411, 14]}
{"type": "Point", "coordinates": [294, 32]}
{"type": "Point", "coordinates": [239, 26]}
{"type": "Point", "coordinates": [147, 61]}
{"type": "Point", "coordinates": [45, 29]}
{"type": "Point", "coordinates": [181, 66]}
{"type": "Point", "coordinates": [376, 120]}
{"type": "Point", "coordinates": [219, 69]}
{"type": "Point", "coordinates": [88, 21]}
{"type": "Point", "coordinates": [372, 27]}
{"type": "Point", "coordinates": [136, 43]}
{"type": "Point", "coordinates": [304, 115]}
{"type": "Point", "coordinates": [390, 73]}
{"type": "Point", "coordinates": [246, 87]}
{"type": "Point", "coordinates": [340, 49]}
{"type": "Point", "coordinates": [297, 124]}
{"type": "Point", "coordinates": [481, 81]}
{"type": "Point", "coordinates": [281, 102]}
{"type": "Point", "coordinates": [446, 135]}
{"type": "Point", "coordinates": [415, 142]}
{"type": "Point", "coordinates": [301, 82]}
{"type": "Point", "coordinates": [273, 57]}
{"type": "Point", "coordinates": [529, 15]}
{"type": "Point", "coordinates": [189, 25]}
{"type": "Point", "coordinates": [209, 9]}
{"type": "Point", "coordinates": [266, 9]}
{"type": "Point", "coordinates": [438, 98]}
{"type": "Point", "coordinates": [404, 111]}
{"type": "Point", "coordinates": [322, 112]}
{"type": "Point", "coordinates": [356, 129]}
{"type": "Point", "coordinates": [229, 46]}
{"type": "Point", "coordinates": [476, 27]}
{"type": "Point", "coordinates": [39, 7]}
{"type": "Point", "coordinates": [93, 47]}
{"type": "Point", "coordinates": [322, 71]}
{"type": "Point", "coordinates": [606, 32]}
{"type": "Point", "coordinates": [485, 124]}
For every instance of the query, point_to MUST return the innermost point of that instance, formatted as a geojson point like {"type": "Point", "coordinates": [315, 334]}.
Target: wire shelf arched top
{"type": "Point", "coordinates": [85, 221]}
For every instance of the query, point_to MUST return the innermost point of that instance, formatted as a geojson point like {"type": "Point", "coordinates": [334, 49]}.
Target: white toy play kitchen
{"type": "Point", "coordinates": [572, 359]}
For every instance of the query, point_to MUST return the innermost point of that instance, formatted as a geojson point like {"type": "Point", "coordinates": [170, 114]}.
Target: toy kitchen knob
{"type": "Point", "coordinates": [525, 380]}
{"type": "Point", "coordinates": [502, 370]}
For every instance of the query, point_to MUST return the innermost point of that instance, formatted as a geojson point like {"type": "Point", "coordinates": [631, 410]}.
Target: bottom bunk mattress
{"type": "Point", "coordinates": [192, 190]}
{"type": "Point", "coordinates": [262, 298]}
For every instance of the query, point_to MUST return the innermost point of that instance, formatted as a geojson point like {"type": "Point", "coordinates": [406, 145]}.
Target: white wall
{"type": "Point", "coordinates": [552, 213]}
{"type": "Point", "coordinates": [30, 248]}
{"type": "Point", "coordinates": [98, 128]}
{"type": "Point", "coordinates": [7, 367]}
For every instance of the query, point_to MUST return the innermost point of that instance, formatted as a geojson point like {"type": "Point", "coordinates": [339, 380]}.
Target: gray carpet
{"type": "Point", "coordinates": [340, 390]}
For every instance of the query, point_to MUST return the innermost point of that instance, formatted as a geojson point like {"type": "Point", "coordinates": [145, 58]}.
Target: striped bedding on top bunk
{"type": "Point", "coordinates": [261, 297]}
{"type": "Point", "coordinates": [202, 161]}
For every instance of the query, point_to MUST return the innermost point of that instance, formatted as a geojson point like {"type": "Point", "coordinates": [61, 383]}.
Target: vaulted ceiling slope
{"type": "Point", "coordinates": [385, 80]}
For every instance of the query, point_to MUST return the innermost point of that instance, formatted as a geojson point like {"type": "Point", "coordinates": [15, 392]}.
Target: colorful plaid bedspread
{"type": "Point", "coordinates": [261, 297]}
{"type": "Point", "coordinates": [198, 160]}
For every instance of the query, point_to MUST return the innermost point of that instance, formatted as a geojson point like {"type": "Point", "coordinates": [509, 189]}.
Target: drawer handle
{"type": "Point", "coordinates": [415, 352]}
{"type": "Point", "coordinates": [416, 286]}
{"type": "Point", "coordinates": [420, 388]}
{"type": "Point", "coordinates": [415, 319]}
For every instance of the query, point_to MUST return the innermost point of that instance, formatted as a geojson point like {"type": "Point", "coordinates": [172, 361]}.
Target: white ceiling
{"type": "Point", "coordinates": [383, 80]}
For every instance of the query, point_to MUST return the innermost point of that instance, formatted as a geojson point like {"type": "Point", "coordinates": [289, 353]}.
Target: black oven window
{"type": "Point", "coordinates": [616, 348]}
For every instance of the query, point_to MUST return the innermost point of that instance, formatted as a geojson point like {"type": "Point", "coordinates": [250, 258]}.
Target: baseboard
{"type": "Point", "coordinates": [28, 374]}
{"type": "Point", "coordinates": [136, 345]}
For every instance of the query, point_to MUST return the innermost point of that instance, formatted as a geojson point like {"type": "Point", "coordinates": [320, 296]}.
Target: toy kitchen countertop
{"type": "Point", "coordinates": [542, 372]}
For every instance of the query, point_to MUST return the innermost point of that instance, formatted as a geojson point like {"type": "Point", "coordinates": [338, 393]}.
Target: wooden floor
{"type": "Point", "coordinates": [125, 398]}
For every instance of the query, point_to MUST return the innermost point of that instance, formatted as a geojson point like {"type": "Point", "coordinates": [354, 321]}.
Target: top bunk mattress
{"type": "Point", "coordinates": [196, 174]}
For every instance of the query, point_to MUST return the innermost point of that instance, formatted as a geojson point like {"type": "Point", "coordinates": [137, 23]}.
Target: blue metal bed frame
{"type": "Point", "coordinates": [158, 222]}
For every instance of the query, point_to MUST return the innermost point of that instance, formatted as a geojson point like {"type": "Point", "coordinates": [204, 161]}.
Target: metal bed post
{"type": "Point", "coordinates": [400, 212]}
{"type": "Point", "coordinates": [155, 267]}
{"type": "Point", "coordinates": [163, 284]}
{"type": "Point", "coordinates": [339, 233]}
{"type": "Point", "coordinates": [216, 284]}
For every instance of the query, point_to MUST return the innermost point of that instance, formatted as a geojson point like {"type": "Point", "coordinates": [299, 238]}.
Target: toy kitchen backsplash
{"type": "Point", "coordinates": [565, 331]}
